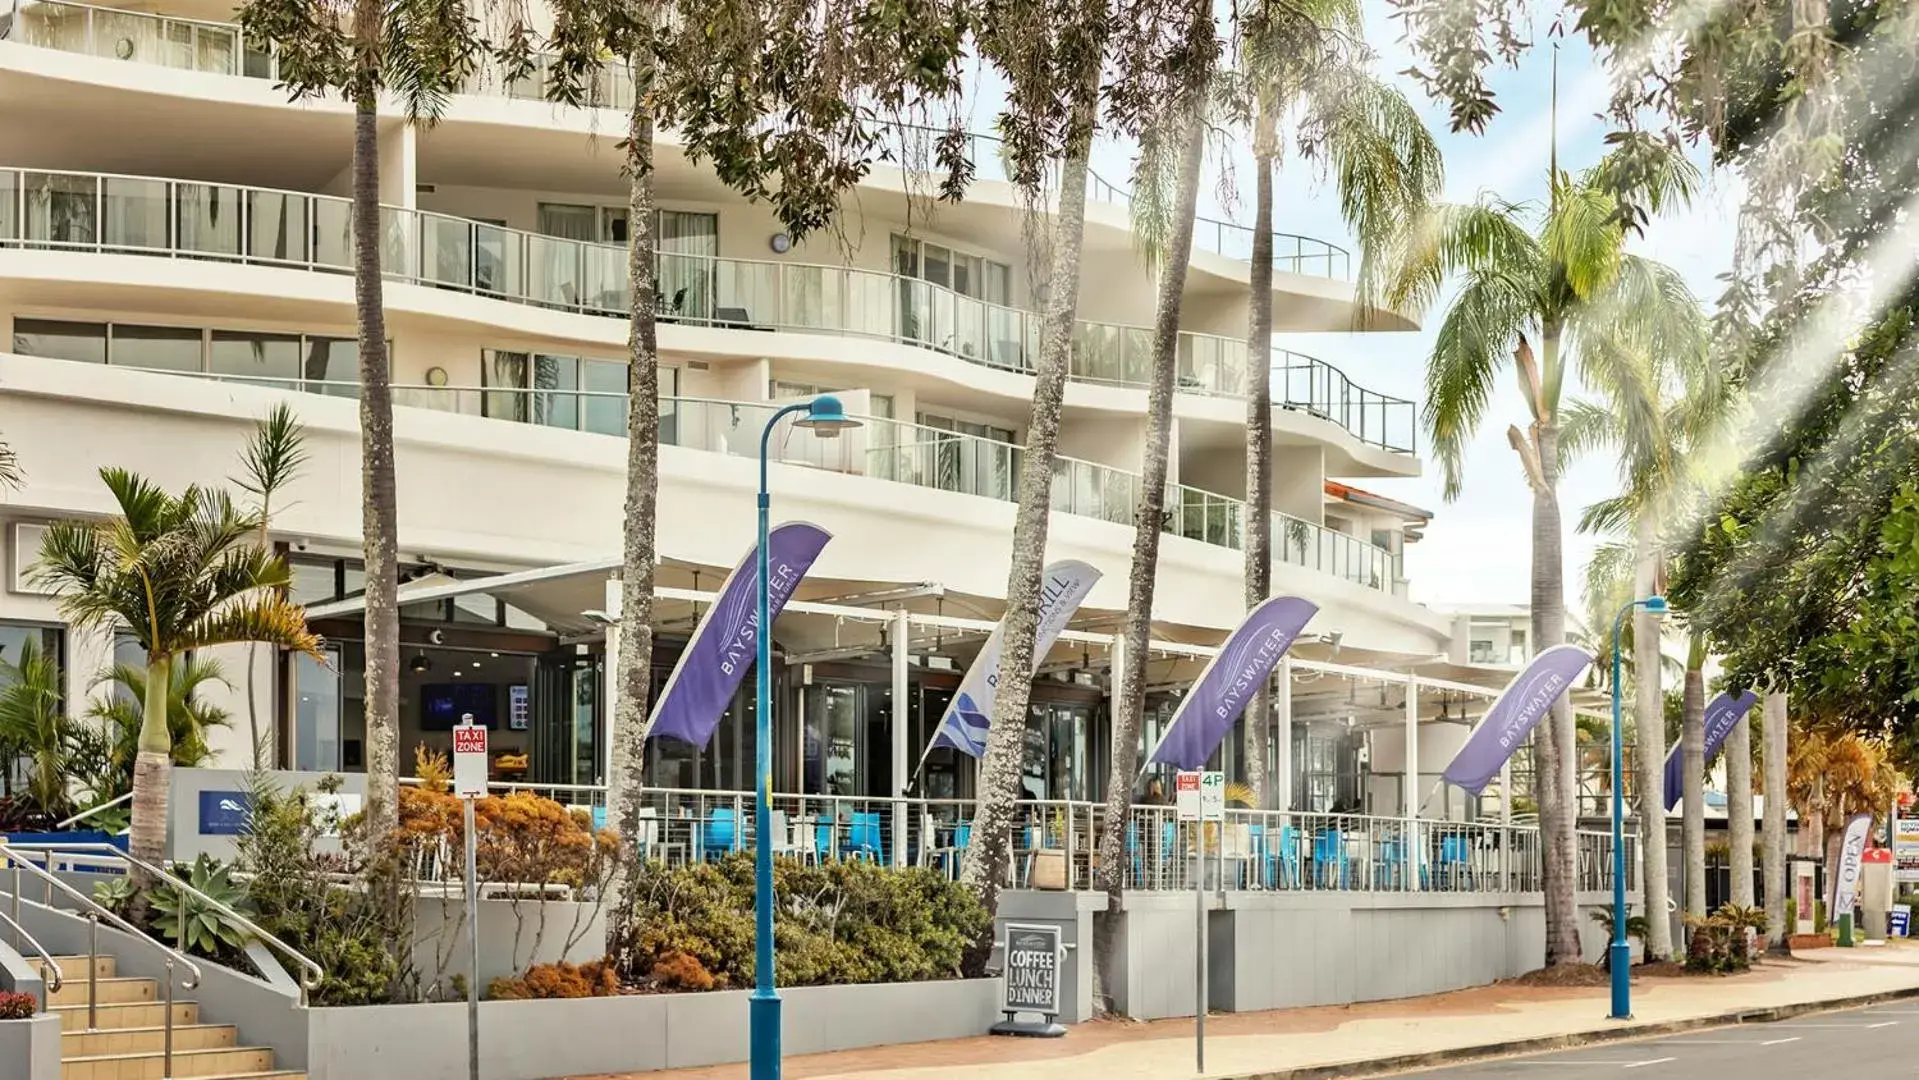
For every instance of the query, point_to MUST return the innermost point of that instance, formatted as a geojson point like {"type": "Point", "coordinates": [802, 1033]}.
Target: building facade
{"type": "Point", "coordinates": [174, 259]}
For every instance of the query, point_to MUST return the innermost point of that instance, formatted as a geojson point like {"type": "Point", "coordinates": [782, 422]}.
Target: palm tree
{"type": "Point", "coordinates": [269, 462]}
{"type": "Point", "coordinates": [358, 49]}
{"type": "Point", "coordinates": [11, 475]}
{"type": "Point", "coordinates": [1652, 438]}
{"type": "Point", "coordinates": [1563, 277]}
{"type": "Point", "coordinates": [178, 573]}
{"type": "Point", "coordinates": [33, 725]}
{"type": "Point", "coordinates": [1389, 170]}
{"type": "Point", "coordinates": [1775, 759]}
{"type": "Point", "coordinates": [121, 713]}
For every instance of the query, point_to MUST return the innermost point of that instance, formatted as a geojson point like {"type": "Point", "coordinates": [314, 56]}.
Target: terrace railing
{"type": "Point", "coordinates": [1054, 843]}
{"type": "Point", "coordinates": [226, 222]}
{"type": "Point", "coordinates": [221, 49]}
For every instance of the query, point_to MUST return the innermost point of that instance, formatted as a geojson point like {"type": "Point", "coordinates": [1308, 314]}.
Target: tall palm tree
{"type": "Point", "coordinates": [179, 573]}
{"type": "Point", "coordinates": [421, 53]}
{"type": "Point", "coordinates": [1776, 767]}
{"type": "Point", "coordinates": [1651, 438]}
{"type": "Point", "coordinates": [1561, 276]}
{"type": "Point", "coordinates": [269, 462]}
{"type": "Point", "coordinates": [1389, 169]}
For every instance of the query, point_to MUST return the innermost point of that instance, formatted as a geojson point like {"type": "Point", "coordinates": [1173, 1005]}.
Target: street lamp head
{"type": "Point", "coordinates": [1655, 605]}
{"type": "Point", "coordinates": [826, 418]}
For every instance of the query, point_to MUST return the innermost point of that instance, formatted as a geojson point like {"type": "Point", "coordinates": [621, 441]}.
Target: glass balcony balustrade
{"type": "Point", "coordinates": [144, 215]}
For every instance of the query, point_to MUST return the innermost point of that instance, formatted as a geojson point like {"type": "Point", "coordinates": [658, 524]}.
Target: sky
{"type": "Point", "coordinates": [1473, 552]}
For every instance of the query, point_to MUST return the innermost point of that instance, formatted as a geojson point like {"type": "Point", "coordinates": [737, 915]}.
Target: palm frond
{"type": "Point", "coordinates": [273, 456]}
{"type": "Point", "coordinates": [1487, 236]}
{"type": "Point", "coordinates": [265, 618]}
{"type": "Point", "coordinates": [1585, 426]}
{"type": "Point", "coordinates": [1609, 517]}
{"type": "Point", "coordinates": [1583, 239]}
{"type": "Point", "coordinates": [1472, 346]}
{"type": "Point", "coordinates": [11, 475]}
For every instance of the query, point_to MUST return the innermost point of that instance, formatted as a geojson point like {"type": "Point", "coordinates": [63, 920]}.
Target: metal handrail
{"type": "Point", "coordinates": [21, 936]}
{"type": "Point", "coordinates": [94, 911]}
{"type": "Point", "coordinates": [312, 974]}
{"type": "Point", "coordinates": [85, 814]}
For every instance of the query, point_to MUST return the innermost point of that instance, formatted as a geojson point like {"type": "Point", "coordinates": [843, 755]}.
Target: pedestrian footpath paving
{"type": "Point", "coordinates": [1340, 1040]}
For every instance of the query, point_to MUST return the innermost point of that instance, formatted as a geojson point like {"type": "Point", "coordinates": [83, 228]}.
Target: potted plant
{"type": "Point", "coordinates": [29, 1037]}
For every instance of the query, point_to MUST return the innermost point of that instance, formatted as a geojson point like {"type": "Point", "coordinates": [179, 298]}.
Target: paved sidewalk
{"type": "Point", "coordinates": [1256, 1043]}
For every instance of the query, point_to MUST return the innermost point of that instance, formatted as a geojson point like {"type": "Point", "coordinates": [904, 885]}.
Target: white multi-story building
{"type": "Point", "coordinates": [173, 261]}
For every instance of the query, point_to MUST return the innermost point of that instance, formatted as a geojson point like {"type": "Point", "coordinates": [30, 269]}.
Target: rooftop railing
{"type": "Point", "coordinates": [148, 215]}
{"type": "Point", "coordinates": [220, 48]}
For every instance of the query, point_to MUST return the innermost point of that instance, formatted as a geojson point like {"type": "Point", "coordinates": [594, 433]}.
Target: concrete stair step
{"type": "Point", "coordinates": [75, 967]}
{"type": "Point", "coordinates": [114, 1017]}
{"type": "Point", "coordinates": [134, 1040]}
{"type": "Point", "coordinates": [115, 991]}
{"type": "Point", "coordinates": [223, 1061]}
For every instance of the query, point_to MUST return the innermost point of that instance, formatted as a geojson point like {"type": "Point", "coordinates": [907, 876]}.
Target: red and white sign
{"type": "Point", "coordinates": [469, 760]}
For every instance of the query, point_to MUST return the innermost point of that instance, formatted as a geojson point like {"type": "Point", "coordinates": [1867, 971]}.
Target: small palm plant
{"type": "Point", "coordinates": [33, 725]}
{"type": "Point", "coordinates": [179, 573]}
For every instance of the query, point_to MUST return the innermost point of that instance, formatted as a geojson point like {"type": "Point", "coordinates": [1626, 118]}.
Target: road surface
{"type": "Point", "coordinates": [1879, 1043]}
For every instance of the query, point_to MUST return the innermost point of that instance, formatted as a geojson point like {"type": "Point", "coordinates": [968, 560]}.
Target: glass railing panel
{"type": "Point", "coordinates": [216, 49]}
{"type": "Point", "coordinates": [605, 284]}
{"type": "Point", "coordinates": [871, 304]}
{"type": "Point", "coordinates": [399, 243]}
{"type": "Point", "coordinates": [208, 217]}
{"type": "Point", "coordinates": [277, 227]}
{"type": "Point", "coordinates": [332, 232]}
{"type": "Point", "coordinates": [134, 214]}
{"type": "Point", "coordinates": [809, 297]}
{"type": "Point", "coordinates": [554, 273]}
{"type": "Point", "coordinates": [446, 251]}
{"type": "Point", "coordinates": [917, 322]}
{"type": "Point", "coordinates": [499, 261]}
{"type": "Point", "coordinates": [745, 294]}
{"type": "Point", "coordinates": [969, 328]}
{"type": "Point", "coordinates": [9, 205]}
{"type": "Point", "coordinates": [1006, 339]}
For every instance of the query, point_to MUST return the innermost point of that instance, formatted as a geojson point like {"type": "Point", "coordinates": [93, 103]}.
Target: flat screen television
{"type": "Point", "coordinates": [442, 705]}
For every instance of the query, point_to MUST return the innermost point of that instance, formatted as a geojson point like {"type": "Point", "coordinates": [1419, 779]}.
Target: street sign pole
{"type": "Point", "coordinates": [469, 783]}
{"type": "Point", "coordinates": [1200, 798]}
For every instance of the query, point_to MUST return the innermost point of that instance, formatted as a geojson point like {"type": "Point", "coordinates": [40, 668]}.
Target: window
{"type": "Point", "coordinates": [572, 392]}
{"type": "Point", "coordinates": [156, 348]}
{"type": "Point", "coordinates": [18, 640]}
{"type": "Point", "coordinates": [317, 711]}
{"type": "Point", "coordinates": [249, 357]}
{"type": "Point", "coordinates": [27, 538]}
{"type": "Point", "coordinates": [983, 464]}
{"type": "Point", "coordinates": [968, 275]}
{"type": "Point", "coordinates": [1481, 652]}
{"type": "Point", "coordinates": [55, 340]}
{"type": "Point", "coordinates": [1518, 650]}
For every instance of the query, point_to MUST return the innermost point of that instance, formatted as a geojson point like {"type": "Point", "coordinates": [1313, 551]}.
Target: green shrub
{"type": "Point", "coordinates": [192, 924]}
{"type": "Point", "coordinates": [1719, 941]}
{"type": "Point", "coordinates": [1819, 923]}
{"type": "Point", "coordinates": [1792, 916]}
{"type": "Point", "coordinates": [835, 923]}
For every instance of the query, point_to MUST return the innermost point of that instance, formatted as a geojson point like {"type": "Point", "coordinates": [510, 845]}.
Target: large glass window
{"type": "Point", "coordinates": [968, 275]}
{"type": "Point", "coordinates": [334, 362]}
{"type": "Point", "coordinates": [18, 639]}
{"type": "Point", "coordinates": [271, 359]}
{"type": "Point", "coordinates": [62, 209]}
{"type": "Point", "coordinates": [156, 348]}
{"type": "Point", "coordinates": [56, 340]}
{"type": "Point", "coordinates": [572, 392]}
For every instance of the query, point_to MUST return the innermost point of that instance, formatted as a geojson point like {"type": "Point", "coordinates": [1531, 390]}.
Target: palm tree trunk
{"type": "Point", "coordinates": [1259, 436]}
{"type": "Point", "coordinates": [152, 772]}
{"type": "Point", "coordinates": [379, 516]}
{"type": "Point", "coordinates": [1774, 733]}
{"type": "Point", "coordinates": [1692, 761]}
{"type": "Point", "coordinates": [1555, 744]}
{"type": "Point", "coordinates": [1129, 699]}
{"type": "Point", "coordinates": [1739, 809]}
{"type": "Point", "coordinates": [634, 664]}
{"type": "Point", "coordinates": [1649, 711]}
{"type": "Point", "coordinates": [998, 792]}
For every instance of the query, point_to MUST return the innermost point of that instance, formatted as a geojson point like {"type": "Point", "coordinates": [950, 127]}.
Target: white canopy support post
{"type": "Point", "coordinates": [1411, 788]}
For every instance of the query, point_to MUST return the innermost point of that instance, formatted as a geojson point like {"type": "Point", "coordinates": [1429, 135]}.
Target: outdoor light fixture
{"type": "Point", "coordinates": [825, 418]}
{"type": "Point", "coordinates": [1619, 957]}
{"type": "Point", "coordinates": [421, 665]}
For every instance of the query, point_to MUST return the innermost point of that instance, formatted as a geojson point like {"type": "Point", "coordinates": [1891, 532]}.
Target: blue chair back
{"type": "Point", "coordinates": [1329, 846]}
{"type": "Point", "coordinates": [962, 834]}
{"type": "Point", "coordinates": [1452, 849]}
{"type": "Point", "coordinates": [720, 831]}
{"type": "Point", "coordinates": [1288, 842]}
{"type": "Point", "coordinates": [599, 818]}
{"type": "Point", "coordinates": [865, 834]}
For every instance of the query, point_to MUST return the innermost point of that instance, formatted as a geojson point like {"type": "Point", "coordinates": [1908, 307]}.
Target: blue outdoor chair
{"type": "Point", "coordinates": [719, 835]}
{"type": "Point", "coordinates": [1329, 859]}
{"type": "Point", "coordinates": [864, 840]}
{"type": "Point", "coordinates": [1280, 862]}
{"type": "Point", "coordinates": [1455, 862]}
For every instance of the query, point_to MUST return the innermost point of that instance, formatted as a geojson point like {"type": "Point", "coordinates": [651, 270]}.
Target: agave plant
{"type": "Point", "coordinates": [186, 919]}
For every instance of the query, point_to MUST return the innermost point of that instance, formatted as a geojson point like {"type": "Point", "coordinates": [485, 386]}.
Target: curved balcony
{"type": "Point", "coordinates": [895, 451]}
{"type": "Point", "coordinates": [220, 48]}
{"type": "Point", "coordinates": [145, 215]}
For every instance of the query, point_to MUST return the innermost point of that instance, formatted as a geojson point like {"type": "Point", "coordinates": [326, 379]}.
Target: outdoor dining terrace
{"type": "Point", "coordinates": [1054, 843]}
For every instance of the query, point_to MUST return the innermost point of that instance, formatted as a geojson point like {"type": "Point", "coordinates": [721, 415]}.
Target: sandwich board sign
{"type": "Point", "coordinates": [1030, 977]}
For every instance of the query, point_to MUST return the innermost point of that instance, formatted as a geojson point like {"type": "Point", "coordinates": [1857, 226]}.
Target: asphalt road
{"type": "Point", "coordinates": [1879, 1043]}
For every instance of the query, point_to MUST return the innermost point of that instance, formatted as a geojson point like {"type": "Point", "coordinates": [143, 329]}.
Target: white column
{"type": "Point", "coordinates": [1413, 843]}
{"type": "Point", "coordinates": [1283, 737]}
{"type": "Point", "coordinates": [399, 165]}
{"type": "Point", "coordinates": [900, 639]}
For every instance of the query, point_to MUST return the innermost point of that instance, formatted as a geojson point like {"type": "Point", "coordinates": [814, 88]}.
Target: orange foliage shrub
{"type": "Point", "coordinates": [595, 978]}
{"type": "Point", "coordinates": [523, 838]}
{"type": "Point", "coordinates": [682, 971]}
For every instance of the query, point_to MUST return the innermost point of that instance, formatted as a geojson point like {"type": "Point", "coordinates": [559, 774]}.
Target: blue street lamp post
{"type": "Point", "coordinates": [1619, 960]}
{"type": "Point", "coordinates": [827, 419]}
